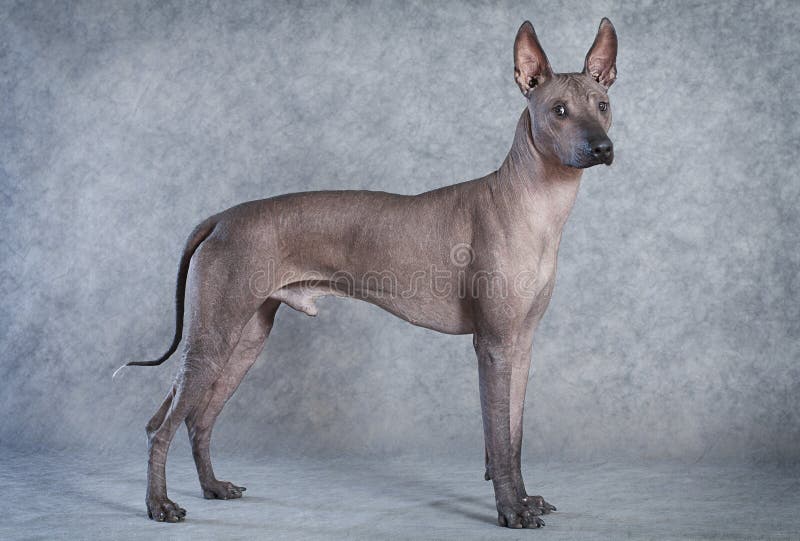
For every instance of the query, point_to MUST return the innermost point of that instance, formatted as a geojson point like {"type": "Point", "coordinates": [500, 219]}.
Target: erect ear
{"type": "Point", "coordinates": [531, 66]}
{"type": "Point", "coordinates": [601, 60]}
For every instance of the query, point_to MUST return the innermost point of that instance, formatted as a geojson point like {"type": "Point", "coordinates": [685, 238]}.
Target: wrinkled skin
{"type": "Point", "coordinates": [430, 259]}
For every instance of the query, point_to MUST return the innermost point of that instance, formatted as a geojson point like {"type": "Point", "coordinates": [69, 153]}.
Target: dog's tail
{"type": "Point", "coordinates": [200, 233]}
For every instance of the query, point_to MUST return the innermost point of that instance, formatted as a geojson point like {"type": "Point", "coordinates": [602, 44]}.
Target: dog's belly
{"type": "Point", "coordinates": [421, 307]}
{"type": "Point", "coordinates": [446, 316]}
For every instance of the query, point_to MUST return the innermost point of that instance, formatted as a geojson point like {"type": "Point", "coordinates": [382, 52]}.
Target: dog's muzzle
{"type": "Point", "coordinates": [593, 152]}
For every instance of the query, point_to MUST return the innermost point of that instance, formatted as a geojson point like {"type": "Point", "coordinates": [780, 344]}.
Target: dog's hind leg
{"type": "Point", "coordinates": [204, 359]}
{"type": "Point", "coordinates": [200, 422]}
{"type": "Point", "coordinates": [221, 306]}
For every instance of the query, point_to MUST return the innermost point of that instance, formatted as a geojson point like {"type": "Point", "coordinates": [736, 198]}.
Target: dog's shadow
{"type": "Point", "coordinates": [451, 506]}
{"type": "Point", "coordinates": [408, 489]}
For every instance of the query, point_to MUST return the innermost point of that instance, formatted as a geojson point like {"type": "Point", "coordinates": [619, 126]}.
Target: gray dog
{"type": "Point", "coordinates": [473, 258]}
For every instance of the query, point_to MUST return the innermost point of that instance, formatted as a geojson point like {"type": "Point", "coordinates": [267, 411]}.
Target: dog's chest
{"type": "Point", "coordinates": [534, 276]}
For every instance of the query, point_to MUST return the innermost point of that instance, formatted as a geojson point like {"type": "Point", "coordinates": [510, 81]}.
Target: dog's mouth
{"type": "Point", "coordinates": [587, 161]}
{"type": "Point", "coordinates": [608, 160]}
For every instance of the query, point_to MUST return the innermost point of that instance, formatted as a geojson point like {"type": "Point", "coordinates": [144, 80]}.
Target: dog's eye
{"type": "Point", "coordinates": [603, 105]}
{"type": "Point", "coordinates": [560, 110]}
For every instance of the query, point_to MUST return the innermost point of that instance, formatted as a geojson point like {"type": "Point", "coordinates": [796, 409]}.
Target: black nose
{"type": "Point", "coordinates": [602, 149]}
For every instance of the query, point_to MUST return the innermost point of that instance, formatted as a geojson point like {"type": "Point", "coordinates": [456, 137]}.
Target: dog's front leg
{"type": "Point", "coordinates": [496, 358]}
{"type": "Point", "coordinates": [519, 383]}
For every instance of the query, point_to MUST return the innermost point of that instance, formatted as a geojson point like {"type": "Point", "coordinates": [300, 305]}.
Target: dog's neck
{"type": "Point", "coordinates": [535, 187]}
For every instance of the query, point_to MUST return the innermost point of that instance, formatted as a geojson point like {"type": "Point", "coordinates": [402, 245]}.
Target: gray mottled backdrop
{"type": "Point", "coordinates": [673, 331]}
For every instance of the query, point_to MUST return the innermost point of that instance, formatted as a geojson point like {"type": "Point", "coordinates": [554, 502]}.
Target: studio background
{"type": "Point", "coordinates": [673, 330]}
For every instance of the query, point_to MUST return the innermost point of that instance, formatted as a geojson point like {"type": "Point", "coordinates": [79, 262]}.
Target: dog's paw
{"type": "Point", "coordinates": [165, 510]}
{"type": "Point", "coordinates": [222, 490]}
{"type": "Point", "coordinates": [518, 516]}
{"type": "Point", "coordinates": [537, 502]}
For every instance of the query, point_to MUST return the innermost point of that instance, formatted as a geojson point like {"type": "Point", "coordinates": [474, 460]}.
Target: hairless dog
{"type": "Point", "coordinates": [476, 258]}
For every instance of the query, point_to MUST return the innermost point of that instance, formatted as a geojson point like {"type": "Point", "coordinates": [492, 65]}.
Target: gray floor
{"type": "Point", "coordinates": [80, 497]}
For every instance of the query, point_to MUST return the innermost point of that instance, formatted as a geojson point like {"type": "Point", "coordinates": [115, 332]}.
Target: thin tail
{"type": "Point", "coordinates": [200, 233]}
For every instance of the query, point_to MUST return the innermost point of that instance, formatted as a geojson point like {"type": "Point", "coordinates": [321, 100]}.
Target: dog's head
{"type": "Point", "coordinates": [570, 112]}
